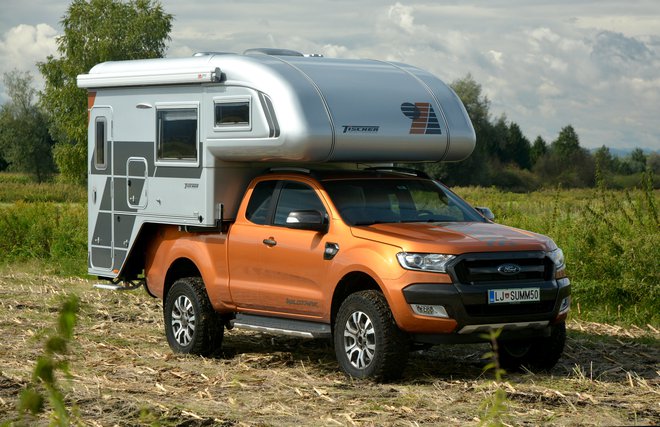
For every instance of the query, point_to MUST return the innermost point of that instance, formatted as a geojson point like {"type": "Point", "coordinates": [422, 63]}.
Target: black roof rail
{"type": "Point", "coordinates": [397, 169]}
{"type": "Point", "coordinates": [290, 169]}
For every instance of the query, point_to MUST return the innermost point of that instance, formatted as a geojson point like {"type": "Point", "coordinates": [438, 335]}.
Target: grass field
{"type": "Point", "coordinates": [124, 374]}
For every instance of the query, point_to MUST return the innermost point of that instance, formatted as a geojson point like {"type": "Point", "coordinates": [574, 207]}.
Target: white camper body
{"type": "Point", "coordinates": [176, 141]}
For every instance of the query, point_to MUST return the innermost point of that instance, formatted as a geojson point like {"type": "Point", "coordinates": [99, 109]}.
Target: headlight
{"type": "Point", "coordinates": [424, 262]}
{"type": "Point", "coordinates": [557, 256]}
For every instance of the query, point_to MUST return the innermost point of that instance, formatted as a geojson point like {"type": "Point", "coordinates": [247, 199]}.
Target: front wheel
{"type": "Point", "coordinates": [539, 354]}
{"type": "Point", "coordinates": [191, 324]}
{"type": "Point", "coordinates": [368, 343]}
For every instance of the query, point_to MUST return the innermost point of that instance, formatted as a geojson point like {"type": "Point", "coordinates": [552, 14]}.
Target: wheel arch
{"type": "Point", "coordinates": [179, 268]}
{"type": "Point", "coordinates": [355, 281]}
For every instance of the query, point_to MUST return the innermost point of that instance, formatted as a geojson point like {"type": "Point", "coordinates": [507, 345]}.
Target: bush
{"type": "Point", "coordinates": [55, 233]}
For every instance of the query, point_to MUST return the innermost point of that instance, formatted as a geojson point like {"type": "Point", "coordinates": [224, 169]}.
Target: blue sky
{"type": "Point", "coordinates": [592, 64]}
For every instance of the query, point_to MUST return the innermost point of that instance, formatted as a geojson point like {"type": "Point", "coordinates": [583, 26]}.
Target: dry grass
{"type": "Point", "coordinates": [124, 374]}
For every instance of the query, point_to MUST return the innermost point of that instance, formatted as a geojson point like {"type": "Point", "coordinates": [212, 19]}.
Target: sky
{"type": "Point", "coordinates": [593, 64]}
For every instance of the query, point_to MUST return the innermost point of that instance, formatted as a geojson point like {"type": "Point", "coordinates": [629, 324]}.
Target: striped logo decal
{"type": "Point", "coordinates": [424, 120]}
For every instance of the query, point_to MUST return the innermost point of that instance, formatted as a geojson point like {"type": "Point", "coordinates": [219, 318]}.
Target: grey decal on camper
{"type": "Point", "coordinates": [106, 197]}
{"type": "Point", "coordinates": [102, 235]}
{"type": "Point", "coordinates": [121, 200]}
{"type": "Point", "coordinates": [120, 256]}
{"type": "Point", "coordinates": [123, 230]}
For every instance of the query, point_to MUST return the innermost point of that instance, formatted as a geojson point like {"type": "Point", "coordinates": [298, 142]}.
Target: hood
{"type": "Point", "coordinates": [454, 238]}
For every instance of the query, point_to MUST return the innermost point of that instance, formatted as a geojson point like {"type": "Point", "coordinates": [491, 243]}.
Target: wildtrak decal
{"type": "Point", "coordinates": [307, 303]}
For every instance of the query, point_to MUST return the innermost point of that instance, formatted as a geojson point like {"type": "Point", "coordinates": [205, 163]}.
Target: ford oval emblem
{"type": "Point", "coordinates": [509, 269]}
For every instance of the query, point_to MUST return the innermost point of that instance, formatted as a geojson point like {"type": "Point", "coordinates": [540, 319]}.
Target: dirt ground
{"type": "Point", "coordinates": [124, 374]}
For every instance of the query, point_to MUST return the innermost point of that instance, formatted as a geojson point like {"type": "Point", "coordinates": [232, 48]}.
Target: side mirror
{"type": "Point", "coordinates": [486, 213]}
{"type": "Point", "coordinates": [307, 220]}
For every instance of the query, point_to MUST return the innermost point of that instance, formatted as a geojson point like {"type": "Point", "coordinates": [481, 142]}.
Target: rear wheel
{"type": "Point", "coordinates": [368, 343]}
{"type": "Point", "coordinates": [538, 354]}
{"type": "Point", "coordinates": [191, 324]}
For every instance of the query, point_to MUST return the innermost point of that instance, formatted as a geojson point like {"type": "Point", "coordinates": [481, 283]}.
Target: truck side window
{"type": "Point", "coordinates": [296, 196]}
{"type": "Point", "coordinates": [259, 205]}
{"type": "Point", "coordinates": [100, 143]}
{"type": "Point", "coordinates": [177, 134]}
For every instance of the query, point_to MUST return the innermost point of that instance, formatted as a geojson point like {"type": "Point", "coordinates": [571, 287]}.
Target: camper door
{"type": "Point", "coordinates": [100, 182]}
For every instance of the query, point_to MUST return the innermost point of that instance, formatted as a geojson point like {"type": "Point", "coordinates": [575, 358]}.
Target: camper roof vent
{"type": "Point", "coordinates": [273, 51]}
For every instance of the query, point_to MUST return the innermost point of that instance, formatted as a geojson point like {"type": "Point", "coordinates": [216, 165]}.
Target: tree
{"type": "Point", "coordinates": [24, 140]}
{"type": "Point", "coordinates": [567, 143]}
{"type": "Point", "coordinates": [94, 31]}
{"type": "Point", "coordinates": [539, 148]}
{"type": "Point", "coordinates": [637, 160]}
{"type": "Point", "coordinates": [473, 170]}
{"type": "Point", "coordinates": [653, 163]}
{"type": "Point", "coordinates": [517, 148]}
{"type": "Point", "coordinates": [566, 163]}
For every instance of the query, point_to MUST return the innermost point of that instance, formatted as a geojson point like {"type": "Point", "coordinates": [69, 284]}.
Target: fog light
{"type": "Point", "coordinates": [565, 306]}
{"type": "Point", "coordinates": [430, 310]}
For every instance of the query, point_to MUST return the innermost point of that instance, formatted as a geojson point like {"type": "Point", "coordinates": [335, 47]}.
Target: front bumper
{"type": "Point", "coordinates": [467, 305]}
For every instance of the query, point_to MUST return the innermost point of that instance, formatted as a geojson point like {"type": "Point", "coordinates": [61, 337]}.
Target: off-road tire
{"type": "Point", "coordinates": [365, 327]}
{"type": "Point", "coordinates": [537, 355]}
{"type": "Point", "coordinates": [191, 324]}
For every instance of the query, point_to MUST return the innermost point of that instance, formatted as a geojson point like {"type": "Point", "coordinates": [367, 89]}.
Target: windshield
{"type": "Point", "coordinates": [376, 201]}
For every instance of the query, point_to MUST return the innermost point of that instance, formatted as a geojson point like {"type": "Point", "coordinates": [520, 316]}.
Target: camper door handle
{"type": "Point", "coordinates": [270, 242]}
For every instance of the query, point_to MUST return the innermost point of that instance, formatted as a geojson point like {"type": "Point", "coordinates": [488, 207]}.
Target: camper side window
{"type": "Point", "coordinates": [100, 143]}
{"type": "Point", "coordinates": [232, 114]}
{"type": "Point", "coordinates": [177, 134]}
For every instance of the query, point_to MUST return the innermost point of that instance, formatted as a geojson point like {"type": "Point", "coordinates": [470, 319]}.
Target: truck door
{"type": "Point", "coordinates": [275, 269]}
{"type": "Point", "coordinates": [100, 190]}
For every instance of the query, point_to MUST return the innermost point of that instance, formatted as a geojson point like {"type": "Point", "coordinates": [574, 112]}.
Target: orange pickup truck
{"type": "Point", "coordinates": [377, 260]}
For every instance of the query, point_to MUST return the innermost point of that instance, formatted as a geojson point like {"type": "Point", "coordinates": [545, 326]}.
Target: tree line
{"type": "Point", "coordinates": [45, 134]}
{"type": "Point", "coordinates": [504, 157]}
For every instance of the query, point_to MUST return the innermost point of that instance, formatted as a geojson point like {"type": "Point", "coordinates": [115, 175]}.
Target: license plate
{"type": "Point", "coordinates": [499, 296]}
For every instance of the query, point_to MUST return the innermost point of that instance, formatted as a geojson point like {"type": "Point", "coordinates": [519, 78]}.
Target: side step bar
{"type": "Point", "coordinates": [279, 326]}
{"type": "Point", "coordinates": [119, 286]}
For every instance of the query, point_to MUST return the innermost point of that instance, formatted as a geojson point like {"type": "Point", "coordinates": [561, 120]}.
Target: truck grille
{"type": "Point", "coordinates": [476, 269]}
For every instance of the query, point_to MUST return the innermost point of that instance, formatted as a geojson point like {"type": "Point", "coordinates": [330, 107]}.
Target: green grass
{"type": "Point", "coordinates": [19, 187]}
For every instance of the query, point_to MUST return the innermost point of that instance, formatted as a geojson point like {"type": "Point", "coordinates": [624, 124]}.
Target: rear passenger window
{"type": "Point", "coordinates": [259, 205]}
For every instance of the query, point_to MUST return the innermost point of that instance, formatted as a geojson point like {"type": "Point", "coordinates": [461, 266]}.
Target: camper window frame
{"type": "Point", "coordinates": [233, 127]}
{"type": "Point", "coordinates": [184, 162]}
{"type": "Point", "coordinates": [104, 143]}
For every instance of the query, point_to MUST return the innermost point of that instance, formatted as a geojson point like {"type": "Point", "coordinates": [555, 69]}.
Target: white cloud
{"type": "Point", "coordinates": [402, 17]}
{"type": "Point", "coordinates": [22, 46]}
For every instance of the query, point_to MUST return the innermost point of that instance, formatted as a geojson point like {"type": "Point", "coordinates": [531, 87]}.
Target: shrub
{"type": "Point", "coordinates": [55, 233]}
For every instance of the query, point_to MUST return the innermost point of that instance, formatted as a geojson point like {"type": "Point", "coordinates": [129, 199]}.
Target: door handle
{"type": "Point", "coordinates": [270, 242]}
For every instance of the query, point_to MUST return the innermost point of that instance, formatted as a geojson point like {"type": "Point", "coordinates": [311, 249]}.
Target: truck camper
{"type": "Point", "coordinates": [258, 190]}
